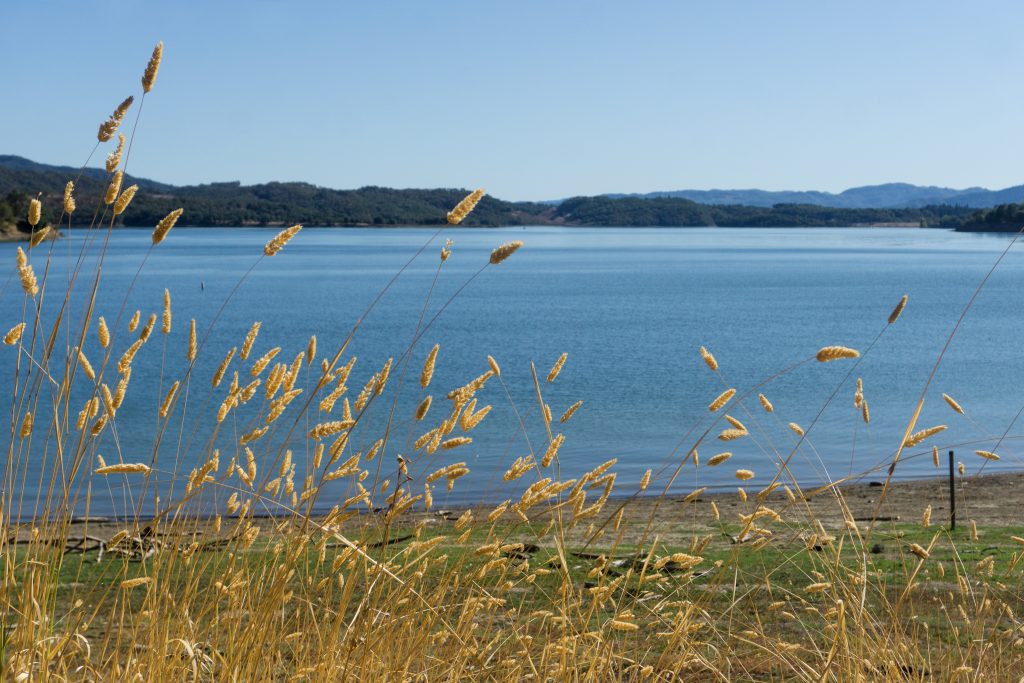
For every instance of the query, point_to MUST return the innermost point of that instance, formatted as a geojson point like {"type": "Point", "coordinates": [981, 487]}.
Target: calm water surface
{"type": "Point", "coordinates": [631, 306]}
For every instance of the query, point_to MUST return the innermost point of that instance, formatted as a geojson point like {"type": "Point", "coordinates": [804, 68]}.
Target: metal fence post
{"type": "Point", "coordinates": [952, 495]}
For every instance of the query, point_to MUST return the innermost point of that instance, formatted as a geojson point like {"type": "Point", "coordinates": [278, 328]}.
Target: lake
{"type": "Point", "coordinates": [631, 306]}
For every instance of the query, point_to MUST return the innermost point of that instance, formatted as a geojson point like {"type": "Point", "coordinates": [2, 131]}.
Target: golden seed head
{"type": "Point", "coordinates": [103, 332]}
{"type": "Point", "coordinates": [796, 428]}
{"type": "Point", "coordinates": [14, 334]}
{"type": "Point", "coordinates": [26, 426]}
{"type": "Point", "coordinates": [708, 358]}
{"type": "Point", "coordinates": [114, 158]}
{"type": "Point", "coordinates": [69, 198]}
{"type": "Point", "coordinates": [952, 403]}
{"type": "Point", "coordinates": [123, 468]}
{"type": "Point", "coordinates": [743, 475]}
{"type": "Point", "coordinates": [765, 403]}
{"type": "Point", "coordinates": [830, 353]}
{"type": "Point", "coordinates": [988, 455]}
{"type": "Point", "coordinates": [38, 236]}
{"type": "Point", "coordinates": [504, 251]}
{"type": "Point", "coordinates": [250, 339]}
{"type": "Point", "coordinates": [428, 366]}
{"type": "Point", "coordinates": [718, 459]}
{"type": "Point", "coordinates": [494, 365]}
{"type": "Point", "coordinates": [463, 208]}
{"type": "Point", "coordinates": [165, 225]}
{"type": "Point", "coordinates": [192, 341]}
{"type": "Point", "coordinates": [165, 326]}
{"type": "Point", "coordinates": [109, 127]}
{"type": "Point", "coordinates": [896, 312]}
{"type": "Point", "coordinates": [918, 437]}
{"type": "Point", "coordinates": [125, 199]}
{"type": "Point", "coordinates": [310, 350]}
{"type": "Point", "coordinates": [114, 188]}
{"type": "Point", "coordinates": [732, 434]}
{"type": "Point", "coordinates": [570, 411]}
{"type": "Point", "coordinates": [424, 406]}
{"type": "Point", "coordinates": [149, 76]}
{"type": "Point", "coordinates": [557, 367]}
{"type": "Point", "coordinates": [35, 210]}
{"type": "Point", "coordinates": [26, 274]}
{"type": "Point", "coordinates": [275, 245]}
{"type": "Point", "coordinates": [721, 400]}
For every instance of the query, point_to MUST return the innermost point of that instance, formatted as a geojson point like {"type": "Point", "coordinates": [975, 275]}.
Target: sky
{"type": "Point", "coordinates": [528, 99]}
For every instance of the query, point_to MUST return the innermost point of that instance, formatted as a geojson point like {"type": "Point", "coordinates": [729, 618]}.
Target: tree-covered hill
{"type": "Point", "coordinates": [234, 204]}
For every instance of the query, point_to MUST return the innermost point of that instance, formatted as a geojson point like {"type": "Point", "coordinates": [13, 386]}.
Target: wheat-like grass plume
{"type": "Point", "coordinates": [165, 225]}
{"type": "Point", "coordinates": [721, 400]}
{"type": "Point", "coordinates": [570, 411]}
{"type": "Point", "coordinates": [69, 198]}
{"type": "Point", "coordinates": [919, 436]}
{"type": "Point", "coordinates": [718, 459]}
{"type": "Point", "coordinates": [35, 210]}
{"type": "Point", "coordinates": [951, 402]}
{"type": "Point", "coordinates": [504, 251]}
{"type": "Point", "coordinates": [557, 367]}
{"type": "Point", "coordinates": [38, 236]}
{"type": "Point", "coordinates": [114, 158]}
{"type": "Point", "coordinates": [250, 339]}
{"type": "Point", "coordinates": [13, 335]}
{"type": "Point", "coordinates": [282, 238]}
{"type": "Point", "coordinates": [123, 468]}
{"type": "Point", "coordinates": [898, 311]}
{"type": "Point", "coordinates": [152, 68]}
{"type": "Point", "coordinates": [465, 207]}
{"type": "Point", "coordinates": [124, 199]}
{"type": "Point", "coordinates": [830, 353]}
{"type": "Point", "coordinates": [709, 359]}
{"type": "Point", "coordinates": [103, 332]}
{"type": "Point", "coordinates": [428, 366]}
{"type": "Point", "coordinates": [26, 275]}
{"type": "Point", "coordinates": [109, 127]}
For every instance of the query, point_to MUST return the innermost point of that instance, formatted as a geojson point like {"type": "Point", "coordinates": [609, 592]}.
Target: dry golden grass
{"type": "Point", "coordinates": [236, 572]}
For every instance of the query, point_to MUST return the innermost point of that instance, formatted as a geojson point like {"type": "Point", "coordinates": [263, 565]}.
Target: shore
{"type": "Point", "coordinates": [989, 500]}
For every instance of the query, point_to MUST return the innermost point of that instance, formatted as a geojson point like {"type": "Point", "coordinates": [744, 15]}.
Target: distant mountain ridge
{"type": "Point", "coordinates": [884, 196]}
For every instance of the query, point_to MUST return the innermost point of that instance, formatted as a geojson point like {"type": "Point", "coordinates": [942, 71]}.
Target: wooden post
{"type": "Point", "coordinates": [952, 495]}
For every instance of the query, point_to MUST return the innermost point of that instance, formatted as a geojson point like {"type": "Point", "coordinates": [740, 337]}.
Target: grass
{"type": "Point", "coordinates": [572, 579]}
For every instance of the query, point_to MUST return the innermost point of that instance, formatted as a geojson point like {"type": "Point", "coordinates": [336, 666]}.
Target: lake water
{"type": "Point", "coordinates": [630, 306]}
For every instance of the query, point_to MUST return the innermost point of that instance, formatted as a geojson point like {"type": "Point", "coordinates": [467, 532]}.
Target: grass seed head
{"type": "Point", "coordinates": [831, 353]}
{"type": "Point", "coordinates": [282, 238]}
{"type": "Point", "coordinates": [165, 225]}
{"type": "Point", "coordinates": [69, 198]}
{"type": "Point", "coordinates": [35, 210]}
{"type": "Point", "coordinates": [898, 311]}
{"type": "Point", "coordinates": [152, 68]}
{"type": "Point", "coordinates": [465, 207]}
{"type": "Point", "coordinates": [504, 251]}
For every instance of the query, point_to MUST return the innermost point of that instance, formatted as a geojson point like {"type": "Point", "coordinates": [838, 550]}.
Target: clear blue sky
{"type": "Point", "coordinates": [531, 100]}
